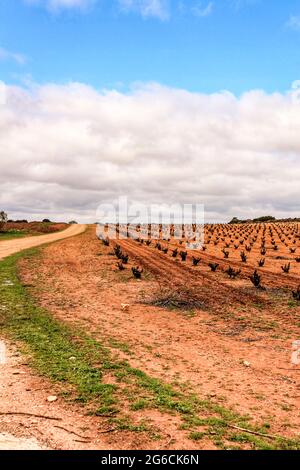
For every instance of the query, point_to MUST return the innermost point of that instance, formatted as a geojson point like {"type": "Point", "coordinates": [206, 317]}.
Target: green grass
{"type": "Point", "coordinates": [15, 234]}
{"type": "Point", "coordinates": [197, 436]}
{"type": "Point", "coordinates": [58, 353]}
{"type": "Point", "coordinates": [12, 234]}
{"type": "Point", "coordinates": [80, 364]}
{"type": "Point", "coordinates": [124, 347]}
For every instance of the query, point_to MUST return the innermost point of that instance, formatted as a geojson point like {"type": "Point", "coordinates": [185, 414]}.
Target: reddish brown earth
{"type": "Point", "coordinates": [236, 350]}
{"type": "Point", "coordinates": [29, 422]}
{"type": "Point", "coordinates": [21, 391]}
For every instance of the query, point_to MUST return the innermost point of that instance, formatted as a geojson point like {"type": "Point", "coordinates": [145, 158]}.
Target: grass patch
{"type": "Point", "coordinates": [79, 363]}
{"type": "Point", "coordinates": [140, 404]}
{"type": "Point", "coordinates": [116, 344]}
{"type": "Point", "coordinates": [197, 436]}
{"type": "Point", "coordinates": [124, 424]}
{"type": "Point", "coordinates": [12, 234]}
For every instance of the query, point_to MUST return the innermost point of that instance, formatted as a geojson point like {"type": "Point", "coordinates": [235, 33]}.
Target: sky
{"type": "Point", "coordinates": [162, 101]}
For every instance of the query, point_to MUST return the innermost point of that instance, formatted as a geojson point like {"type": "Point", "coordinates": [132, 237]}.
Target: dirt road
{"type": "Point", "coordinates": [18, 432]}
{"type": "Point", "coordinates": [10, 247]}
{"type": "Point", "coordinates": [28, 421]}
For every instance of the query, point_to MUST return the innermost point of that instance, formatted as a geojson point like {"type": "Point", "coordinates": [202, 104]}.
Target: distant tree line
{"type": "Point", "coordinates": [5, 220]}
{"type": "Point", "coordinates": [21, 221]}
{"type": "Point", "coordinates": [263, 219]}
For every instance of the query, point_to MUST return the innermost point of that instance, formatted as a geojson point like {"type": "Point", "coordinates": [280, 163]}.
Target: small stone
{"type": "Point", "coordinates": [246, 364]}
{"type": "Point", "coordinates": [125, 307]}
{"type": "Point", "coordinates": [52, 398]}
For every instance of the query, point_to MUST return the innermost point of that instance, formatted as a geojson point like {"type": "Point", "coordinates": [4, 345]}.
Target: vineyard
{"type": "Point", "coordinates": [176, 322]}
{"type": "Point", "coordinates": [239, 261]}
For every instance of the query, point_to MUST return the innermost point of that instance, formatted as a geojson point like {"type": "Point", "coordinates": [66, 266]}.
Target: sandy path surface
{"type": "Point", "coordinates": [28, 421]}
{"type": "Point", "coordinates": [21, 391]}
{"type": "Point", "coordinates": [10, 247]}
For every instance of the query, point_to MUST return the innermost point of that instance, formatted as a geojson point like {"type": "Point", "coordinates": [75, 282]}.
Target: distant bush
{"type": "Point", "coordinates": [265, 218]}
{"type": "Point", "coordinates": [235, 220]}
{"type": "Point", "coordinates": [3, 219]}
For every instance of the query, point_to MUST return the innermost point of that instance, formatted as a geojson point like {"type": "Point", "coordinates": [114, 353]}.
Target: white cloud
{"type": "Point", "coordinates": [294, 23]}
{"type": "Point", "coordinates": [20, 59]}
{"type": "Point", "coordinates": [202, 10]}
{"type": "Point", "coordinates": [147, 8]}
{"type": "Point", "coordinates": [238, 4]}
{"type": "Point", "coordinates": [161, 9]}
{"type": "Point", "coordinates": [69, 3]}
{"type": "Point", "coordinates": [64, 149]}
{"type": "Point", "coordinates": [56, 5]}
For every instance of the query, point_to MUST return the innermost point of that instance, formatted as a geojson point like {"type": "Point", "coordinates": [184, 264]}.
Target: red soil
{"type": "Point", "coordinates": [208, 350]}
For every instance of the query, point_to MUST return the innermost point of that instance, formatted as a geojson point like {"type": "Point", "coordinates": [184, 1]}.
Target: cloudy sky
{"type": "Point", "coordinates": [163, 101]}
